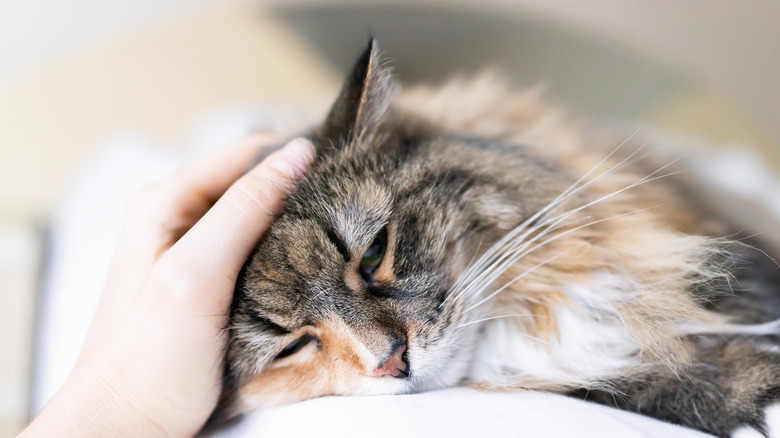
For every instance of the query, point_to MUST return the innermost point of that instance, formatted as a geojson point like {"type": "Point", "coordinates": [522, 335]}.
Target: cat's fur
{"type": "Point", "coordinates": [524, 252]}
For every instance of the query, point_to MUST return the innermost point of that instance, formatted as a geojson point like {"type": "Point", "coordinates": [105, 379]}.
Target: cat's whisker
{"type": "Point", "coordinates": [665, 166]}
{"type": "Point", "coordinates": [513, 315]}
{"type": "Point", "coordinates": [478, 268]}
{"type": "Point", "coordinates": [577, 186]}
{"type": "Point", "coordinates": [493, 272]}
{"type": "Point", "coordinates": [655, 150]}
{"type": "Point", "coordinates": [487, 267]}
{"type": "Point", "coordinates": [593, 169]}
{"type": "Point", "coordinates": [495, 250]}
{"type": "Point", "coordinates": [567, 194]}
{"type": "Point", "coordinates": [507, 260]}
{"type": "Point", "coordinates": [520, 243]}
{"type": "Point", "coordinates": [601, 175]}
{"type": "Point", "coordinates": [624, 161]}
{"type": "Point", "coordinates": [510, 255]}
{"type": "Point", "coordinates": [526, 272]}
{"type": "Point", "coordinates": [497, 270]}
{"type": "Point", "coordinates": [461, 327]}
{"type": "Point", "coordinates": [640, 182]}
{"type": "Point", "coordinates": [552, 239]}
{"type": "Point", "coordinates": [500, 257]}
{"type": "Point", "coordinates": [593, 223]}
{"type": "Point", "coordinates": [561, 199]}
{"type": "Point", "coordinates": [485, 264]}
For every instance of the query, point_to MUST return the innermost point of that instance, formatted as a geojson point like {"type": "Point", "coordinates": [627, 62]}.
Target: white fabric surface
{"type": "Point", "coordinates": [455, 412]}
{"type": "Point", "coordinates": [83, 237]}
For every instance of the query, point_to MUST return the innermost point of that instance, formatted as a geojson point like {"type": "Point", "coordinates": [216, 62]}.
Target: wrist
{"type": "Point", "coordinates": [94, 406]}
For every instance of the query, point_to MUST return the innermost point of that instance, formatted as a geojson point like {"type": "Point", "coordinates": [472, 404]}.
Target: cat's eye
{"type": "Point", "coordinates": [295, 346]}
{"type": "Point", "coordinates": [373, 256]}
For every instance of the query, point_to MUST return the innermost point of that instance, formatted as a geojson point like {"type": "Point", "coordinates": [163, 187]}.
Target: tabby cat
{"type": "Point", "coordinates": [472, 236]}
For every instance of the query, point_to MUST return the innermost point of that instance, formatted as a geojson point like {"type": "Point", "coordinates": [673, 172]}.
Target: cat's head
{"type": "Point", "coordinates": [347, 293]}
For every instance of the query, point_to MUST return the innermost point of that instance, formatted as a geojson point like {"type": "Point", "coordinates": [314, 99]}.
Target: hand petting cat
{"type": "Point", "coordinates": [152, 363]}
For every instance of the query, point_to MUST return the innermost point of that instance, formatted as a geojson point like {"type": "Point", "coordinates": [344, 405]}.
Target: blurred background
{"type": "Point", "coordinates": [77, 75]}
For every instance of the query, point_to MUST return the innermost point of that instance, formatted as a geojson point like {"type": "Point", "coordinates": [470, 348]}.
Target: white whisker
{"type": "Point", "coordinates": [513, 315]}
{"type": "Point", "coordinates": [607, 172]}
{"type": "Point", "coordinates": [511, 255]}
{"type": "Point", "coordinates": [494, 251]}
{"type": "Point", "coordinates": [617, 192]}
{"type": "Point", "coordinates": [499, 257]}
{"type": "Point", "coordinates": [552, 239]}
{"type": "Point", "coordinates": [526, 272]}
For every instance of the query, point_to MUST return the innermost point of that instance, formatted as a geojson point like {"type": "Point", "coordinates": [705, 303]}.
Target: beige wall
{"type": "Point", "coordinates": [155, 80]}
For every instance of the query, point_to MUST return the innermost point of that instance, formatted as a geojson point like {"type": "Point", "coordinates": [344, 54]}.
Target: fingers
{"type": "Point", "coordinates": [160, 213]}
{"type": "Point", "coordinates": [183, 197]}
{"type": "Point", "coordinates": [217, 246]}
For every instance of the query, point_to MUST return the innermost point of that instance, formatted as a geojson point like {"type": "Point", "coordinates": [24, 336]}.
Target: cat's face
{"type": "Point", "coordinates": [347, 293]}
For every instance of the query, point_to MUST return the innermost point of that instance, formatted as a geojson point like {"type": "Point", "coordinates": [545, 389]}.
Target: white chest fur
{"type": "Point", "coordinates": [593, 342]}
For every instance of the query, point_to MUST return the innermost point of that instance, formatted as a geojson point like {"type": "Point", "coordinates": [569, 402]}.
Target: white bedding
{"type": "Point", "coordinates": [83, 236]}
{"type": "Point", "coordinates": [456, 412]}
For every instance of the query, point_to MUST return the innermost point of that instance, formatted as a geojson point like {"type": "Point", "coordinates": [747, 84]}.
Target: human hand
{"type": "Point", "coordinates": [152, 361]}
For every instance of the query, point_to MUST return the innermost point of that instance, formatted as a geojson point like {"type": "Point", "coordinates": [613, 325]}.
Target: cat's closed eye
{"type": "Point", "coordinates": [295, 346]}
{"type": "Point", "coordinates": [373, 257]}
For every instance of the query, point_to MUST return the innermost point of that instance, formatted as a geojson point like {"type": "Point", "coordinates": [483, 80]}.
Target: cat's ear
{"type": "Point", "coordinates": [364, 98]}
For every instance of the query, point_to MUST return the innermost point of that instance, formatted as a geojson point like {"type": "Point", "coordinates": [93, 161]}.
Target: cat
{"type": "Point", "coordinates": [470, 235]}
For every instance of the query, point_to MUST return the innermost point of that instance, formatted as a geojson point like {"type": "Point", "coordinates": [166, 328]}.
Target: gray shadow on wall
{"type": "Point", "coordinates": [428, 43]}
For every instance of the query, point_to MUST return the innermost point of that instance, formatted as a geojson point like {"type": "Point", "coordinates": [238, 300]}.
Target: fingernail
{"type": "Point", "coordinates": [294, 158]}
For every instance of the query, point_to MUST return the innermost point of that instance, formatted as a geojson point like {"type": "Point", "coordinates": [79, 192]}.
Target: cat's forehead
{"type": "Point", "coordinates": [354, 206]}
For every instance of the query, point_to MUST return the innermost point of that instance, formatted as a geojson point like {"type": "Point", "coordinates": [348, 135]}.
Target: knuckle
{"type": "Point", "coordinates": [158, 204]}
{"type": "Point", "coordinates": [251, 193]}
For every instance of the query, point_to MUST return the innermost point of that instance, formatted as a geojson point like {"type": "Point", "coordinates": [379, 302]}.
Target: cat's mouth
{"type": "Point", "coordinates": [436, 364]}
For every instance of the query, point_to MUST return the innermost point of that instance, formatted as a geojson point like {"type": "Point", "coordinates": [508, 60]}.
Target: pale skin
{"type": "Point", "coordinates": [152, 361]}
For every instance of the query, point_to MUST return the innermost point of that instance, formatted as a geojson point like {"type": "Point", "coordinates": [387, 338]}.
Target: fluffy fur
{"type": "Point", "coordinates": [524, 251]}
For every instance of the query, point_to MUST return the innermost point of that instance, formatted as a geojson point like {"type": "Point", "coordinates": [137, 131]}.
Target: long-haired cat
{"type": "Point", "coordinates": [471, 236]}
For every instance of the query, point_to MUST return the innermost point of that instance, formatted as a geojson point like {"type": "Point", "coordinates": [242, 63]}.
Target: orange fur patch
{"type": "Point", "coordinates": [333, 369]}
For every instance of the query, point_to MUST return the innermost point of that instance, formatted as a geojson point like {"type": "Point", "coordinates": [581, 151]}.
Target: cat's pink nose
{"type": "Point", "coordinates": [394, 366]}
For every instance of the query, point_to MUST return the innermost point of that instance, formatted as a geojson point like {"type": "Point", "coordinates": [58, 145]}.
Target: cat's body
{"type": "Point", "coordinates": [470, 235]}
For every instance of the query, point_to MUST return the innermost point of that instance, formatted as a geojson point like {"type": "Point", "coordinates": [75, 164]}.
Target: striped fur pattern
{"type": "Point", "coordinates": [524, 251]}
